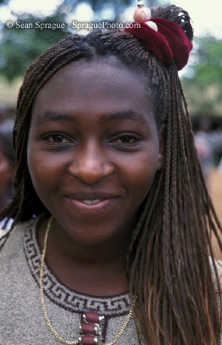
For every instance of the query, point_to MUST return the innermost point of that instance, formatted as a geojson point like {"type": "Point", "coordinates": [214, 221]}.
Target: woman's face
{"type": "Point", "coordinates": [93, 150]}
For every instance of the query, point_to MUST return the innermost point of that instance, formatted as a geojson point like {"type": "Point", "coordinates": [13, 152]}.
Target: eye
{"type": "Point", "coordinates": [126, 139]}
{"type": "Point", "coordinates": [58, 139]}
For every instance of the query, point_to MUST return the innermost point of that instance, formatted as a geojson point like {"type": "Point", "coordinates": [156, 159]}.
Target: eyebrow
{"type": "Point", "coordinates": [56, 116]}
{"type": "Point", "coordinates": [116, 116]}
{"type": "Point", "coordinates": [125, 115]}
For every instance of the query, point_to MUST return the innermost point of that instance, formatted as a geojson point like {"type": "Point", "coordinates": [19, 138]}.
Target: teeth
{"type": "Point", "coordinates": [91, 202]}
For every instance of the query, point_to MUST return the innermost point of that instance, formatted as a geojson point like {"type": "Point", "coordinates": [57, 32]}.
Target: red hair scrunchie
{"type": "Point", "coordinates": [168, 43]}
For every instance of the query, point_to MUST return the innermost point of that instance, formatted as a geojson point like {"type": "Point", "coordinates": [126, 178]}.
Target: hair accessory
{"type": "Point", "coordinates": [141, 14]}
{"type": "Point", "coordinates": [184, 21]}
{"type": "Point", "coordinates": [164, 38]}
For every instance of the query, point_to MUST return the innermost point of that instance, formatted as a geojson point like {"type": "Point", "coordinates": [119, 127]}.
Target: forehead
{"type": "Point", "coordinates": [83, 86]}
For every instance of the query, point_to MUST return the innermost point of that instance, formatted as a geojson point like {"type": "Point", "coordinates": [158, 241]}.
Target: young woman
{"type": "Point", "coordinates": [112, 218]}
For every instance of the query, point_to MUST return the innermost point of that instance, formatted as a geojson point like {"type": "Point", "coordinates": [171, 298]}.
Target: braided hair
{"type": "Point", "coordinates": [167, 263]}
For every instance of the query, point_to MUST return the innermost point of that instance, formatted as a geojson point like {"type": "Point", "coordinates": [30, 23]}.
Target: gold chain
{"type": "Point", "coordinates": [48, 322]}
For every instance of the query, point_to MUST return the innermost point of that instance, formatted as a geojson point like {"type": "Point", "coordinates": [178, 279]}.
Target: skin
{"type": "Point", "coordinates": [93, 151]}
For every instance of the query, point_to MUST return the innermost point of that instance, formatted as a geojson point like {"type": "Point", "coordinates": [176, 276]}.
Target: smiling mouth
{"type": "Point", "coordinates": [91, 201]}
{"type": "Point", "coordinates": [89, 206]}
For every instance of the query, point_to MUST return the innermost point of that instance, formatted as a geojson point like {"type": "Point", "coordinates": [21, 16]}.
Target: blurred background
{"type": "Point", "coordinates": [27, 28]}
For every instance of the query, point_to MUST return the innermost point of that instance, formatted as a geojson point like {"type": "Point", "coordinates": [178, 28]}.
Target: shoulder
{"type": "Point", "coordinates": [216, 268]}
{"type": "Point", "coordinates": [15, 237]}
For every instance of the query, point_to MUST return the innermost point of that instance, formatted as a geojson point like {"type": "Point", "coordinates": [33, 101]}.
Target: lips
{"type": "Point", "coordinates": [92, 198]}
{"type": "Point", "coordinates": [95, 204]}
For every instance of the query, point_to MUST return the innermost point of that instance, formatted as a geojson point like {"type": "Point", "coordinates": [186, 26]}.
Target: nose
{"type": "Point", "coordinates": [91, 164]}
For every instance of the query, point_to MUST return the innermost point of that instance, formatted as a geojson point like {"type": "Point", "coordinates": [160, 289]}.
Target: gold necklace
{"type": "Point", "coordinates": [41, 290]}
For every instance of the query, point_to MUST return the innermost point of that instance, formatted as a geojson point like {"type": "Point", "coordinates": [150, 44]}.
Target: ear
{"type": "Point", "coordinates": [162, 140]}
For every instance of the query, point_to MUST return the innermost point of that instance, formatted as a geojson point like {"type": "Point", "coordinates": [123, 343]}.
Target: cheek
{"type": "Point", "coordinates": [141, 173]}
{"type": "Point", "coordinates": [142, 179]}
{"type": "Point", "coordinates": [44, 171]}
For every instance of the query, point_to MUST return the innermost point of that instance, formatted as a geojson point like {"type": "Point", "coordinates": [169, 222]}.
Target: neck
{"type": "Point", "coordinates": [94, 270]}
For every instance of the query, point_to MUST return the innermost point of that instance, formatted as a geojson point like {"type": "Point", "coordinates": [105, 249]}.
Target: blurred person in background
{"type": "Point", "coordinates": [6, 166]}
{"type": "Point", "coordinates": [204, 148]}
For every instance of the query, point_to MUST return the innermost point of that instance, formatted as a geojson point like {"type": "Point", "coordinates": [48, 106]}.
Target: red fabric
{"type": "Point", "coordinates": [169, 43]}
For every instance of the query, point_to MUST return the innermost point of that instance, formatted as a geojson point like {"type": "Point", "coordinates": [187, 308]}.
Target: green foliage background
{"type": "Point", "coordinates": [20, 47]}
{"type": "Point", "coordinates": [204, 87]}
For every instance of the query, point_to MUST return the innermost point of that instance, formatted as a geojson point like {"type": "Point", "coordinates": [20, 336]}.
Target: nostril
{"type": "Point", "coordinates": [91, 171]}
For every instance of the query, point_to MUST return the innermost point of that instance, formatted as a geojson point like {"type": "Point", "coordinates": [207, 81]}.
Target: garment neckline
{"type": "Point", "coordinates": [62, 295]}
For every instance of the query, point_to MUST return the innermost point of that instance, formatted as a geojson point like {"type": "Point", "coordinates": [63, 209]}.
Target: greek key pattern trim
{"type": "Point", "coordinates": [61, 295]}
